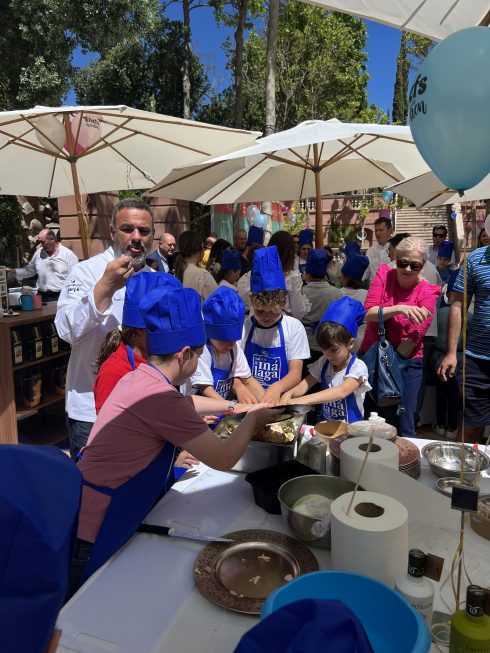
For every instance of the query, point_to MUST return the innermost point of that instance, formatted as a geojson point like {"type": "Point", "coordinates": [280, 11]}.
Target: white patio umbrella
{"type": "Point", "coordinates": [53, 152]}
{"type": "Point", "coordinates": [428, 190]}
{"type": "Point", "coordinates": [433, 18]}
{"type": "Point", "coordinates": [314, 158]}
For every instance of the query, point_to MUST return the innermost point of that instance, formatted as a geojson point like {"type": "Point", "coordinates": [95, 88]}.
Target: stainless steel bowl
{"type": "Point", "coordinates": [444, 459]}
{"type": "Point", "coordinates": [308, 529]}
{"type": "Point", "coordinates": [446, 484]}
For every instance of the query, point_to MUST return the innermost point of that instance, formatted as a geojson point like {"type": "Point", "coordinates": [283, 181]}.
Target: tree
{"type": "Point", "coordinates": [270, 70]}
{"type": "Point", "coordinates": [413, 49]}
{"type": "Point", "coordinates": [143, 71]}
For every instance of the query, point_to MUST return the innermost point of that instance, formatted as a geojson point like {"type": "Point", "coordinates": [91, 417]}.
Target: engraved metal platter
{"type": "Point", "coordinates": [240, 575]}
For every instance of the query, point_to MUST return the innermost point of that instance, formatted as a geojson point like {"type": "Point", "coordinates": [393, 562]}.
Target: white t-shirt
{"type": "Point", "coordinates": [51, 270]}
{"type": "Point", "coordinates": [295, 339]}
{"type": "Point", "coordinates": [80, 323]}
{"type": "Point", "coordinates": [243, 289]}
{"type": "Point", "coordinates": [377, 254]}
{"type": "Point", "coordinates": [203, 375]}
{"type": "Point", "coordinates": [358, 371]}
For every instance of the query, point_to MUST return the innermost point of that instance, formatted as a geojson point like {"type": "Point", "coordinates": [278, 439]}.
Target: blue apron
{"type": "Point", "coordinates": [268, 364]}
{"type": "Point", "coordinates": [130, 353]}
{"type": "Point", "coordinates": [222, 379]}
{"type": "Point", "coordinates": [345, 409]}
{"type": "Point", "coordinates": [130, 504]}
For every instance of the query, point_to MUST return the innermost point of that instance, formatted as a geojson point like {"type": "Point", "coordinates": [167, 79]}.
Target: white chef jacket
{"type": "Point", "coordinates": [80, 323]}
{"type": "Point", "coordinates": [377, 254]}
{"type": "Point", "coordinates": [51, 270]}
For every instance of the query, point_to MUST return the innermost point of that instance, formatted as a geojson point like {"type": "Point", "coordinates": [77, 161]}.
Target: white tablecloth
{"type": "Point", "coordinates": [144, 599]}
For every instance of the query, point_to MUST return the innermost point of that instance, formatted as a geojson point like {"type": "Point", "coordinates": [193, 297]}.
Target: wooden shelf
{"type": "Point", "coordinates": [40, 361]}
{"type": "Point", "coordinates": [45, 401]}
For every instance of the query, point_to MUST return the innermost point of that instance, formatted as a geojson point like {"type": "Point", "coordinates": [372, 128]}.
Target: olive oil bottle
{"type": "Point", "coordinates": [470, 628]}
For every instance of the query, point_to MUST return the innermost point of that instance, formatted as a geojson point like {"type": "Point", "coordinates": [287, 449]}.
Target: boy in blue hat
{"type": "Point", "coordinates": [319, 292]}
{"type": "Point", "coordinates": [305, 245]}
{"type": "Point", "coordinates": [124, 348]}
{"type": "Point", "coordinates": [343, 376]}
{"type": "Point", "coordinates": [443, 260]}
{"type": "Point", "coordinates": [222, 367]}
{"type": "Point", "coordinates": [275, 345]}
{"type": "Point", "coordinates": [231, 266]}
{"type": "Point", "coordinates": [351, 276]}
{"type": "Point", "coordinates": [126, 465]}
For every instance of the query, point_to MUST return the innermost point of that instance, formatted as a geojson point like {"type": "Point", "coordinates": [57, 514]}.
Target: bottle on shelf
{"type": "Point", "coordinates": [16, 340]}
{"type": "Point", "coordinates": [415, 588]}
{"type": "Point", "coordinates": [470, 627]}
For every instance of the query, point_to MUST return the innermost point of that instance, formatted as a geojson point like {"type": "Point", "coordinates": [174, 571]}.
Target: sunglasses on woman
{"type": "Point", "coordinates": [413, 265]}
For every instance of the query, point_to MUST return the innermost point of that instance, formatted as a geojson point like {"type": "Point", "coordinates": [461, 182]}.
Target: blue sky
{"type": "Point", "coordinates": [207, 37]}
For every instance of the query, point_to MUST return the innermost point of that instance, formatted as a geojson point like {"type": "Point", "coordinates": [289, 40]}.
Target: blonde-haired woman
{"type": "Point", "coordinates": [409, 305]}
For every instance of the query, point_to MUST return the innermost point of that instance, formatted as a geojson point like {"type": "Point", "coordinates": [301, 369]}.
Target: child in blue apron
{"type": "Point", "coordinates": [305, 245]}
{"type": "Point", "coordinates": [126, 466]}
{"type": "Point", "coordinates": [443, 260]}
{"type": "Point", "coordinates": [343, 376]}
{"type": "Point", "coordinates": [275, 345]}
{"type": "Point", "coordinates": [222, 369]}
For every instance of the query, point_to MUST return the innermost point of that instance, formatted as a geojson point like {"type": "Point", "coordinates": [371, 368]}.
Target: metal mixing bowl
{"type": "Point", "coordinates": [444, 459]}
{"type": "Point", "coordinates": [308, 529]}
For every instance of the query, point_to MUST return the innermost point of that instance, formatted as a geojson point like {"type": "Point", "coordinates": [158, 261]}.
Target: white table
{"type": "Point", "coordinates": [144, 599]}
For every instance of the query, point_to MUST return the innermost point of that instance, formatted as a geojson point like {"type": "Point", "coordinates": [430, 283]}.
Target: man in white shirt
{"type": "Point", "coordinates": [378, 252]}
{"type": "Point", "coordinates": [91, 305]}
{"type": "Point", "coordinates": [166, 247]}
{"type": "Point", "coordinates": [439, 235]}
{"type": "Point", "coordinates": [51, 262]}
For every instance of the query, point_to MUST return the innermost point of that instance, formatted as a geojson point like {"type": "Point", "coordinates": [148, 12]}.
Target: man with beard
{"type": "Point", "coordinates": [90, 306]}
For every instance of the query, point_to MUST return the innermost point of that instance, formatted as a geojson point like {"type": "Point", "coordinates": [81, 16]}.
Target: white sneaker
{"type": "Point", "coordinates": [451, 435]}
{"type": "Point", "coordinates": [439, 430]}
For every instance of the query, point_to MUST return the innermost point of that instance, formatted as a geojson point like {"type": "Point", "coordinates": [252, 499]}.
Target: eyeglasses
{"type": "Point", "coordinates": [402, 263]}
{"type": "Point", "coordinates": [438, 235]}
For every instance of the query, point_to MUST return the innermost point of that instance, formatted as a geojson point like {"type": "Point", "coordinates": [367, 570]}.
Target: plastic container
{"type": "Point", "coordinates": [266, 483]}
{"type": "Point", "coordinates": [389, 621]}
{"type": "Point", "coordinates": [375, 426]}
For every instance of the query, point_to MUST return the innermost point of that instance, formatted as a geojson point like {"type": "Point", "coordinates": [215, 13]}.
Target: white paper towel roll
{"type": "Point", "coordinates": [376, 546]}
{"type": "Point", "coordinates": [353, 452]}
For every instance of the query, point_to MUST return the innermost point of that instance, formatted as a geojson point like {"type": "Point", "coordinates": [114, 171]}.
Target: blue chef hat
{"type": "Point", "coordinates": [316, 263]}
{"type": "Point", "coordinates": [224, 313]}
{"type": "Point", "coordinates": [355, 265]}
{"type": "Point", "coordinates": [306, 237]}
{"type": "Point", "coordinates": [230, 260]}
{"type": "Point", "coordinates": [307, 625]}
{"type": "Point", "coordinates": [40, 492]}
{"type": "Point", "coordinates": [173, 320]}
{"type": "Point", "coordinates": [255, 235]}
{"type": "Point", "coordinates": [267, 271]}
{"type": "Point", "coordinates": [346, 311]}
{"type": "Point", "coordinates": [137, 287]}
{"type": "Point", "coordinates": [351, 247]}
{"type": "Point", "coordinates": [446, 249]}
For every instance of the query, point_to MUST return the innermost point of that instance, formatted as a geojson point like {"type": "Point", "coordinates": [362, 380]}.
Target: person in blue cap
{"type": "Point", "coordinates": [275, 345]}
{"type": "Point", "coordinates": [445, 255]}
{"type": "Point", "coordinates": [40, 491]}
{"type": "Point", "coordinates": [319, 293]}
{"type": "Point", "coordinates": [230, 269]}
{"type": "Point", "coordinates": [305, 245]}
{"type": "Point", "coordinates": [255, 236]}
{"type": "Point", "coordinates": [351, 247]}
{"type": "Point", "coordinates": [124, 348]}
{"type": "Point", "coordinates": [127, 463]}
{"type": "Point", "coordinates": [223, 369]}
{"type": "Point", "coordinates": [351, 276]}
{"type": "Point", "coordinates": [343, 376]}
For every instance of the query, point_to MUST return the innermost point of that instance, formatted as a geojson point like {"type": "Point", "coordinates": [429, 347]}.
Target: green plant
{"type": "Point", "coordinates": [339, 231]}
{"type": "Point", "coordinates": [299, 223]}
{"type": "Point", "coordinates": [10, 228]}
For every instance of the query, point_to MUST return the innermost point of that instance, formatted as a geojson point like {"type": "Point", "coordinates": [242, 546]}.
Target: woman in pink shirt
{"type": "Point", "coordinates": [409, 304]}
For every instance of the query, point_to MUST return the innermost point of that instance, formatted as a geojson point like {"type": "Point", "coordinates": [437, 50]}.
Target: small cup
{"type": "Point", "coordinates": [27, 302]}
{"type": "Point", "coordinates": [38, 302]}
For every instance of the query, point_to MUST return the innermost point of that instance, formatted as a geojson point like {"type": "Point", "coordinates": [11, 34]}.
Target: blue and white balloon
{"type": "Point", "coordinates": [387, 196]}
{"type": "Point", "coordinates": [449, 108]}
{"type": "Point", "coordinates": [261, 220]}
{"type": "Point", "coordinates": [252, 212]}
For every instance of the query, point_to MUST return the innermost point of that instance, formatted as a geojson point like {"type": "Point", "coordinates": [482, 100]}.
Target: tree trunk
{"type": "Point", "coordinates": [186, 64]}
{"type": "Point", "coordinates": [241, 20]}
{"type": "Point", "coordinates": [400, 93]}
{"type": "Point", "coordinates": [270, 74]}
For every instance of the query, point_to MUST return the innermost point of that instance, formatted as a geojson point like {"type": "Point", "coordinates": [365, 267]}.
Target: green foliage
{"type": "Point", "coordinates": [339, 231]}
{"type": "Point", "coordinates": [373, 114]}
{"type": "Point", "coordinates": [300, 221]}
{"type": "Point", "coordinates": [10, 228]}
{"type": "Point", "coordinates": [143, 72]}
{"type": "Point", "coordinates": [413, 49]}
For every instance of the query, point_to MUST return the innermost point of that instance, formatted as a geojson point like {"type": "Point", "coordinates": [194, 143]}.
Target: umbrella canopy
{"type": "Point", "coordinates": [433, 18]}
{"type": "Point", "coordinates": [314, 158]}
{"type": "Point", "coordinates": [428, 190]}
{"type": "Point", "coordinates": [52, 152]}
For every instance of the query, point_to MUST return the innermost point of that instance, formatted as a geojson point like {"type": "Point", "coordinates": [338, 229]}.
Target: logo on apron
{"type": "Point", "coordinates": [335, 410]}
{"type": "Point", "coordinates": [223, 387]}
{"type": "Point", "coordinates": [266, 369]}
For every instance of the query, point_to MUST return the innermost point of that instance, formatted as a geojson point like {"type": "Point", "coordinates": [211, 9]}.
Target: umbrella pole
{"type": "Point", "coordinates": [82, 224]}
{"type": "Point", "coordinates": [318, 193]}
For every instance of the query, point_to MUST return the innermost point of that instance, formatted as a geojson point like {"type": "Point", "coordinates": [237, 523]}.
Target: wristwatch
{"type": "Point", "coordinates": [231, 405]}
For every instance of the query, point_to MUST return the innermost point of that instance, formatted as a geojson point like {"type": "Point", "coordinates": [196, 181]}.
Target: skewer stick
{"type": "Point", "coordinates": [356, 487]}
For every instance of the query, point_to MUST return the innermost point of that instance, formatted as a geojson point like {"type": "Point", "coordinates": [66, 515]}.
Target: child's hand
{"type": "Point", "coordinates": [272, 395]}
{"type": "Point", "coordinates": [244, 395]}
{"type": "Point", "coordinates": [185, 459]}
{"type": "Point", "coordinates": [210, 419]}
{"type": "Point", "coordinates": [286, 397]}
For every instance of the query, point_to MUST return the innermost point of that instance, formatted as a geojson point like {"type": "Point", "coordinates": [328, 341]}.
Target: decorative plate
{"type": "Point", "coordinates": [240, 575]}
